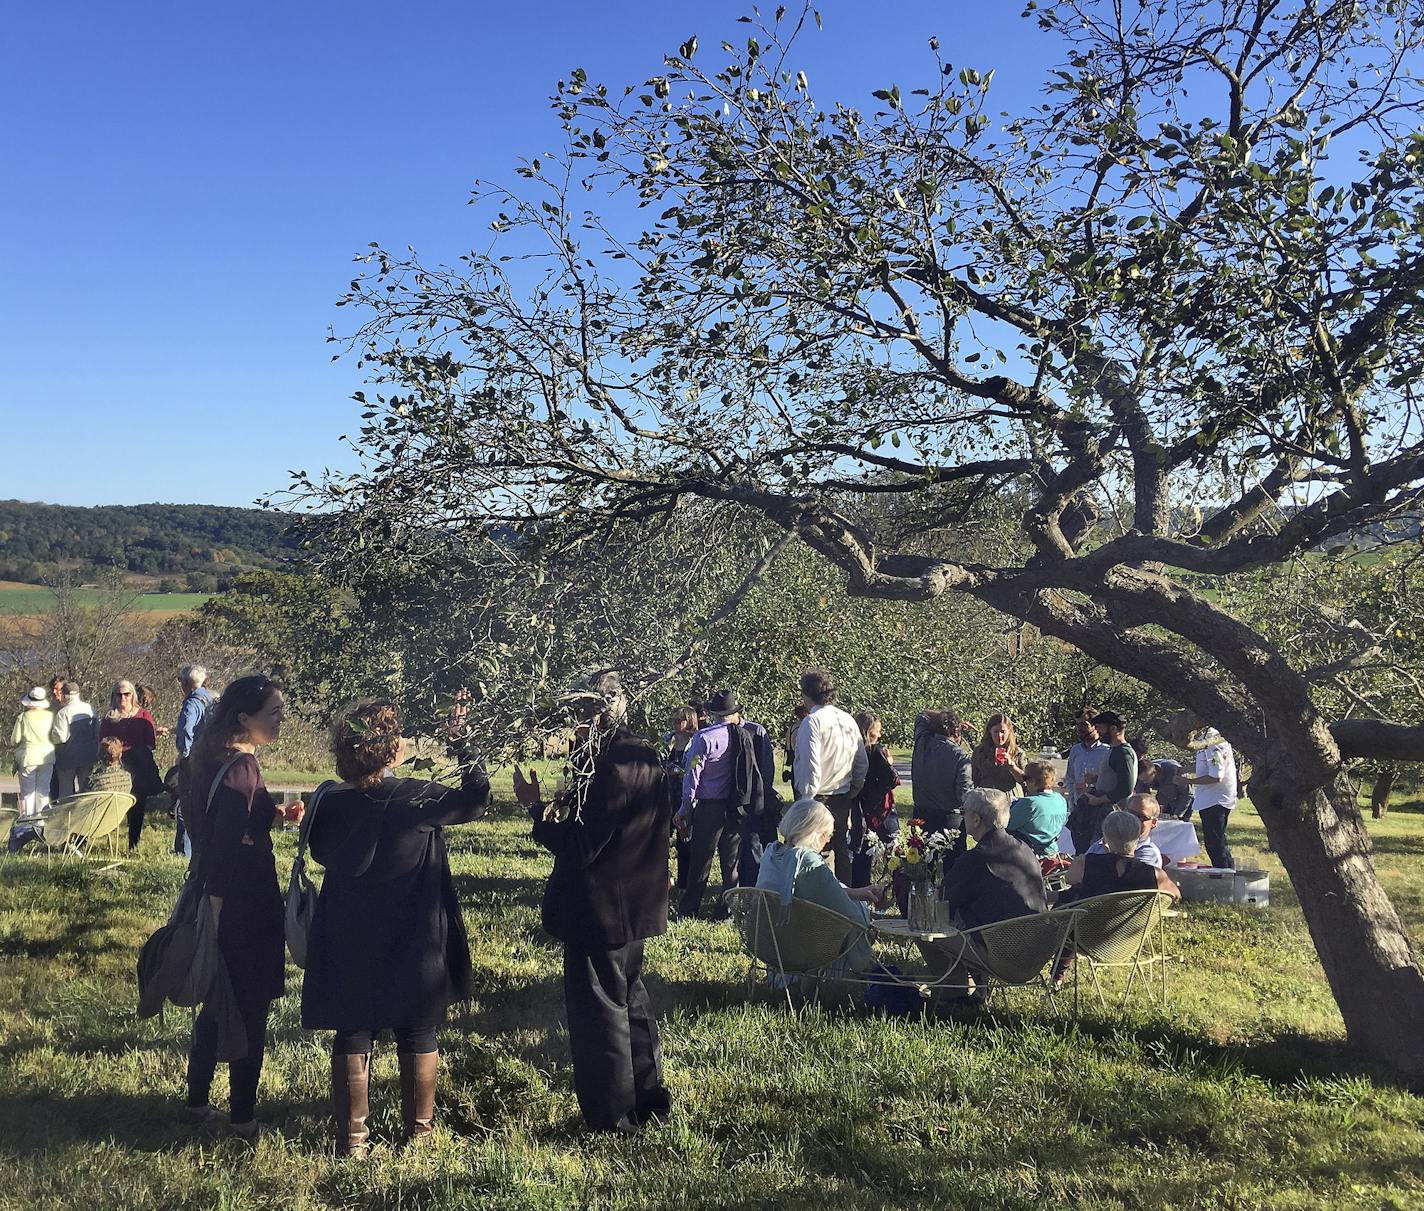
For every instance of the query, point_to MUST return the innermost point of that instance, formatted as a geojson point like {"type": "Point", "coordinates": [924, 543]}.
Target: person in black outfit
{"type": "Point", "coordinates": [608, 892]}
{"type": "Point", "coordinates": [999, 878]}
{"type": "Point", "coordinates": [684, 727]}
{"type": "Point", "coordinates": [387, 947]}
{"type": "Point", "coordinates": [875, 813]}
{"type": "Point", "coordinates": [233, 861]}
{"type": "Point", "coordinates": [1118, 869]}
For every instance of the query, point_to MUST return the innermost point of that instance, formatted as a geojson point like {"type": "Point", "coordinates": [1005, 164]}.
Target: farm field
{"type": "Point", "coordinates": [28, 599]}
{"type": "Point", "coordinates": [1238, 1096]}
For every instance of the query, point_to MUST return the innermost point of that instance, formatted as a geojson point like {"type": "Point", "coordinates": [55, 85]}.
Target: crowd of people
{"type": "Point", "coordinates": [387, 949]}
{"type": "Point", "coordinates": [62, 746]}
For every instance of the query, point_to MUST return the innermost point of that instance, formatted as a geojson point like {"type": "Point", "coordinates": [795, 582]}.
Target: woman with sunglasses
{"type": "Point", "coordinates": [132, 726]}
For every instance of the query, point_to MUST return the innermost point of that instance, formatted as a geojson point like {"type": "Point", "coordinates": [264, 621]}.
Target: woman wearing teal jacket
{"type": "Point", "coordinates": [794, 869]}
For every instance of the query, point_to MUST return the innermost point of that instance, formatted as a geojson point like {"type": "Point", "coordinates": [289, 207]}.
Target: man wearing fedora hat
{"type": "Point", "coordinates": [724, 797]}
{"type": "Point", "coordinates": [33, 750]}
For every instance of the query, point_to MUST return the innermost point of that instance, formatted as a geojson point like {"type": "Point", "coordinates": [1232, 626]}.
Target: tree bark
{"type": "Point", "coordinates": [1366, 954]}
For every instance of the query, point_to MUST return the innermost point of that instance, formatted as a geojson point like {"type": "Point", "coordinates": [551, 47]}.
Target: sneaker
{"type": "Point", "coordinates": [251, 1132]}
{"type": "Point", "coordinates": [206, 1118]}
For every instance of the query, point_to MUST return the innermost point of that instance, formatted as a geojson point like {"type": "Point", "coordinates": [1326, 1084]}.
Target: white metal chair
{"type": "Point", "coordinates": [74, 824]}
{"type": "Point", "coordinates": [796, 942]}
{"type": "Point", "coordinates": [1122, 930]}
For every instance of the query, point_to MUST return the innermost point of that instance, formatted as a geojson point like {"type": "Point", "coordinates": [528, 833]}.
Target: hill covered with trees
{"type": "Point", "coordinates": [197, 547]}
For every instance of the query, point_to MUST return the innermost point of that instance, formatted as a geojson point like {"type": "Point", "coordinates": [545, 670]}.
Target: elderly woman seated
{"type": "Point", "coordinates": [1117, 869]}
{"type": "Point", "coordinates": [794, 869]}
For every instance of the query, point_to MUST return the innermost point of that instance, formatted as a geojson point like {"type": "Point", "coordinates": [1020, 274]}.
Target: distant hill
{"type": "Point", "coordinates": [193, 547]}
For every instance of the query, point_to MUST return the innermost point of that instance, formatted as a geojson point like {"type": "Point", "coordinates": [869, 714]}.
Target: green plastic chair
{"type": "Point", "coordinates": [73, 825]}
{"type": "Point", "coordinates": [799, 942]}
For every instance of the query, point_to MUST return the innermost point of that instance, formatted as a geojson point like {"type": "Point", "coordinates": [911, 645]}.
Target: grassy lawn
{"type": "Point", "coordinates": [36, 599]}
{"type": "Point", "coordinates": [1240, 1096]}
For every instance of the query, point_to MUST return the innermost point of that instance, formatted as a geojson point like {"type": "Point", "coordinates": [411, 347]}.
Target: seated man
{"type": "Point", "coordinates": [1146, 809]}
{"type": "Point", "coordinates": [999, 878]}
{"type": "Point", "coordinates": [1038, 817]}
{"type": "Point", "coordinates": [1116, 869]}
{"type": "Point", "coordinates": [794, 868]}
{"type": "Point", "coordinates": [1113, 870]}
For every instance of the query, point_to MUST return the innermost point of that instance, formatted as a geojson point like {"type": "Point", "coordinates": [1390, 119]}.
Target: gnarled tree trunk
{"type": "Point", "coordinates": [1368, 958]}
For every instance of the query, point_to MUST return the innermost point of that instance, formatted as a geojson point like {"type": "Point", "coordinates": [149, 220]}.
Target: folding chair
{"type": "Point", "coordinates": [74, 824]}
{"type": "Point", "coordinates": [797, 942]}
{"type": "Point", "coordinates": [1121, 930]}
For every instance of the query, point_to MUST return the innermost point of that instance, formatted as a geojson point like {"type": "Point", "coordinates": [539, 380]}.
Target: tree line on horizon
{"type": "Point", "coordinates": [197, 548]}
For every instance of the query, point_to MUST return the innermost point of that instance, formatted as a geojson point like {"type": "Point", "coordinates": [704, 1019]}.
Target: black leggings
{"type": "Point", "coordinates": [135, 819]}
{"type": "Point", "coordinates": [243, 1075]}
{"type": "Point", "coordinates": [410, 1040]}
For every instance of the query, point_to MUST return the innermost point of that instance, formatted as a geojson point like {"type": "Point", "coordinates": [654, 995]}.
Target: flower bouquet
{"type": "Point", "coordinates": [914, 861]}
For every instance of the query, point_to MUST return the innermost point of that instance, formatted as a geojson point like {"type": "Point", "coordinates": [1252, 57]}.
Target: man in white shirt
{"type": "Point", "coordinates": [831, 761]}
{"type": "Point", "coordinates": [1214, 792]}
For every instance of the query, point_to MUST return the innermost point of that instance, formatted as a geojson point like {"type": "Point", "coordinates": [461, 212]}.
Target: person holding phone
{"type": "Point", "coordinates": [996, 763]}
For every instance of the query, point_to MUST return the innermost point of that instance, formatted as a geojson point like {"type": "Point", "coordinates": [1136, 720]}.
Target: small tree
{"type": "Point", "coordinates": [1160, 313]}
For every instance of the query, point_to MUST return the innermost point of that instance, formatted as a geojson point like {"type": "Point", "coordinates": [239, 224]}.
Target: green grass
{"type": "Point", "coordinates": [1241, 1096]}
{"type": "Point", "coordinates": [39, 600]}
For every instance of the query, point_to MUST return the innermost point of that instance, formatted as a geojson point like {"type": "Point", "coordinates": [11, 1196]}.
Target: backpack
{"type": "Point", "coordinates": [745, 793]}
{"type": "Point", "coordinates": [301, 891]}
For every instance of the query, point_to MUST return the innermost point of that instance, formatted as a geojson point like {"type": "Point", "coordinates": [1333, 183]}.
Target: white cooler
{"type": "Point", "coordinates": [1205, 884]}
{"type": "Point", "coordinates": [1253, 888]}
{"type": "Point", "coordinates": [1221, 885]}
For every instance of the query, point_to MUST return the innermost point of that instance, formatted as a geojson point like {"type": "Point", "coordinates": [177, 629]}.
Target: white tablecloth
{"type": "Point", "coordinates": [1177, 839]}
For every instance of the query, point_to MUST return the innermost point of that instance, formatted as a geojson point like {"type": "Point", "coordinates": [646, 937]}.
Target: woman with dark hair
{"type": "Point", "coordinates": [387, 947]}
{"type": "Point", "coordinates": [995, 761]}
{"type": "Point", "coordinates": [876, 811]}
{"type": "Point", "coordinates": [133, 727]}
{"type": "Point", "coordinates": [684, 727]}
{"type": "Point", "coordinates": [231, 825]}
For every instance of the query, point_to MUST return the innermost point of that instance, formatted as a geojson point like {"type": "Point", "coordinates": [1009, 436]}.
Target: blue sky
{"type": "Point", "coordinates": [185, 186]}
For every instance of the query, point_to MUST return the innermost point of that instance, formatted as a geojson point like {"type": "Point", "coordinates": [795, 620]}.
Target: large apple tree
{"type": "Point", "coordinates": [1171, 314]}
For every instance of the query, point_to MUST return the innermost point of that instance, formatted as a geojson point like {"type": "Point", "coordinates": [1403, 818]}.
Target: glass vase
{"type": "Point", "coordinates": [922, 904]}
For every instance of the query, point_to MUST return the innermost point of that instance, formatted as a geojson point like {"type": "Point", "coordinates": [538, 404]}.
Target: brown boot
{"type": "Point", "coordinates": [417, 1081]}
{"type": "Point", "coordinates": [350, 1102]}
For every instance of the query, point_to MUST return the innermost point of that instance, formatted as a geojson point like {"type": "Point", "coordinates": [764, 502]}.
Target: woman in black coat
{"type": "Point", "coordinates": [387, 947]}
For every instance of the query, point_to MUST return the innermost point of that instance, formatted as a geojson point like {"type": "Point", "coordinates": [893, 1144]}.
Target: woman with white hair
{"type": "Point", "coordinates": [794, 868]}
{"type": "Point", "coordinates": [1116, 870]}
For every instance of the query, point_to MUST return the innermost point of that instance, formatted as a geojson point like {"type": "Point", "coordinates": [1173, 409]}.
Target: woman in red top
{"type": "Point", "coordinates": [132, 726]}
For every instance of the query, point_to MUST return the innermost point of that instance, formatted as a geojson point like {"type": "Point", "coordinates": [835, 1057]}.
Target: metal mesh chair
{"type": "Point", "coordinates": [1007, 954]}
{"type": "Point", "coordinates": [1121, 930]}
{"type": "Point", "coordinates": [797, 942]}
{"type": "Point", "coordinates": [74, 824]}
